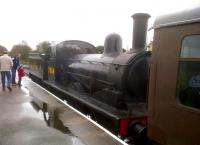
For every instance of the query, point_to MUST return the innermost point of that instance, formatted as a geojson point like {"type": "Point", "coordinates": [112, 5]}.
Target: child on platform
{"type": "Point", "coordinates": [20, 74]}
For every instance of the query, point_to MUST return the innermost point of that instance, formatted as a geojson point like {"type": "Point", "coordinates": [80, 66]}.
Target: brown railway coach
{"type": "Point", "coordinates": [174, 89]}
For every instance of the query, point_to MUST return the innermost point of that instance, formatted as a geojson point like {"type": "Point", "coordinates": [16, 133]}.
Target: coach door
{"type": "Point", "coordinates": [174, 93]}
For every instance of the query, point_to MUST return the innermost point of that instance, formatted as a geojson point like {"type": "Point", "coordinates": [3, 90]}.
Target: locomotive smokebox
{"type": "Point", "coordinates": [140, 21]}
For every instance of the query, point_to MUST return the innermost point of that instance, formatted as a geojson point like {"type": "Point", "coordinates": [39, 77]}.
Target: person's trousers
{"type": "Point", "coordinates": [19, 81]}
{"type": "Point", "coordinates": [6, 75]}
{"type": "Point", "coordinates": [13, 76]}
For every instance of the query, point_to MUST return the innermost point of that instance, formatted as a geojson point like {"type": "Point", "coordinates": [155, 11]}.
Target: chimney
{"type": "Point", "coordinates": [140, 21]}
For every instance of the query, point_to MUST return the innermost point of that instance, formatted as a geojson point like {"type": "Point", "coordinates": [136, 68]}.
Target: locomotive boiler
{"type": "Point", "coordinates": [109, 77]}
{"type": "Point", "coordinates": [110, 87]}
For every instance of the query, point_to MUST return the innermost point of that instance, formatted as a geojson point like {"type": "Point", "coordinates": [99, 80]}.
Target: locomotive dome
{"type": "Point", "coordinates": [113, 44]}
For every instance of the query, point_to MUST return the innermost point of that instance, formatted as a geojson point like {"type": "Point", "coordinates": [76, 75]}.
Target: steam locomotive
{"type": "Point", "coordinates": [102, 84]}
{"type": "Point", "coordinates": [112, 87]}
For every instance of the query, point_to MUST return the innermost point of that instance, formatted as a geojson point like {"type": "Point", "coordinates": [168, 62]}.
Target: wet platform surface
{"type": "Point", "coordinates": [32, 116]}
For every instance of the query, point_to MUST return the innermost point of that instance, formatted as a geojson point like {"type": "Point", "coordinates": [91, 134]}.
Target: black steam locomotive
{"type": "Point", "coordinates": [110, 87]}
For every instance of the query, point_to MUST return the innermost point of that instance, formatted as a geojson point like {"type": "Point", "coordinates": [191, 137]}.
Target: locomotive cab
{"type": "Point", "coordinates": [64, 52]}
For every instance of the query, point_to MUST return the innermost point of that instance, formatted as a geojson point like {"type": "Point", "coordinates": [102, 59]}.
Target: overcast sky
{"type": "Point", "coordinates": [35, 21]}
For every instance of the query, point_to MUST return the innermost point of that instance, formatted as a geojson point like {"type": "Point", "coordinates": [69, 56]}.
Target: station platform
{"type": "Point", "coordinates": [29, 115]}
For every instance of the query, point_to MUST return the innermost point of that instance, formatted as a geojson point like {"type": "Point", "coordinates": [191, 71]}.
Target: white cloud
{"type": "Point", "coordinates": [89, 20]}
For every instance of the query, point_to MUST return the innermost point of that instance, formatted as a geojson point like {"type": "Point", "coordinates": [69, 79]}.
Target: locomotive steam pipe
{"type": "Point", "coordinates": [140, 22]}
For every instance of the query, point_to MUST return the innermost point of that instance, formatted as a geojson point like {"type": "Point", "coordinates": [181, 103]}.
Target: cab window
{"type": "Point", "coordinates": [188, 87]}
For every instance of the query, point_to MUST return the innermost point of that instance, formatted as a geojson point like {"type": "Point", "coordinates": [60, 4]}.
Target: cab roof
{"type": "Point", "coordinates": [179, 18]}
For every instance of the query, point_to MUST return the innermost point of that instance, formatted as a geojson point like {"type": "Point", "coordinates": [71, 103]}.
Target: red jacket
{"type": "Point", "coordinates": [21, 72]}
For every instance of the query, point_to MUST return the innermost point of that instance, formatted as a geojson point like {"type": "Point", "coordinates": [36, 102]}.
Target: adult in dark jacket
{"type": "Point", "coordinates": [14, 68]}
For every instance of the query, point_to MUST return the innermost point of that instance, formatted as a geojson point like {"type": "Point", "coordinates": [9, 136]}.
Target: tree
{"type": "Point", "coordinates": [44, 47]}
{"type": "Point", "coordinates": [99, 49]}
{"type": "Point", "coordinates": [2, 48]}
{"type": "Point", "coordinates": [23, 48]}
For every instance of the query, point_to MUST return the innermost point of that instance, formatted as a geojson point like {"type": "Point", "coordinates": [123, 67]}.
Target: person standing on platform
{"type": "Point", "coordinates": [6, 64]}
{"type": "Point", "coordinates": [20, 74]}
{"type": "Point", "coordinates": [14, 68]}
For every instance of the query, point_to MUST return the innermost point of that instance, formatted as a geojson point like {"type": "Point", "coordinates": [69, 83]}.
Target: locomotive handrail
{"type": "Point", "coordinates": [97, 62]}
{"type": "Point", "coordinates": [88, 77]}
{"type": "Point", "coordinates": [94, 62]}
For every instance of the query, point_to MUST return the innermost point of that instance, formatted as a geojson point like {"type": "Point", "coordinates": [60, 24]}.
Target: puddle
{"type": "Point", "coordinates": [52, 115]}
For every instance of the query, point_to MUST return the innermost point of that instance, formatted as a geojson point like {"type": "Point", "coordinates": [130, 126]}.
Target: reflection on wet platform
{"type": "Point", "coordinates": [21, 124]}
{"type": "Point", "coordinates": [59, 116]}
{"type": "Point", "coordinates": [30, 115]}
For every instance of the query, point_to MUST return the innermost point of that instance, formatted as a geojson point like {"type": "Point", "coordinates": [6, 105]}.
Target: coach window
{"type": "Point", "coordinates": [188, 88]}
